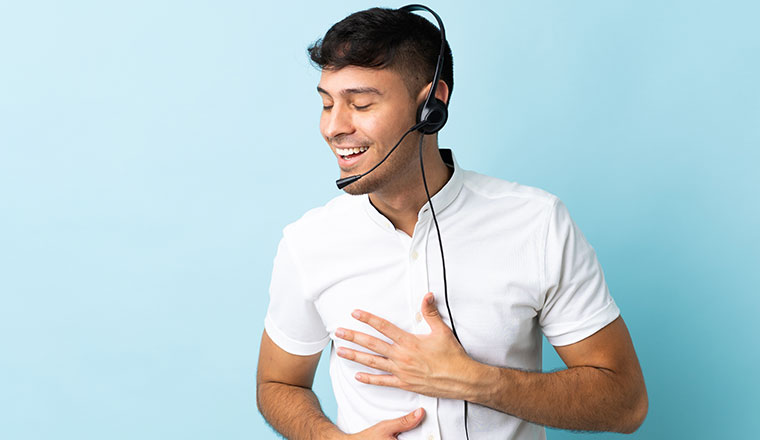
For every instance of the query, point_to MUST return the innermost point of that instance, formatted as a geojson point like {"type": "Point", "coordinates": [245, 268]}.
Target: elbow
{"type": "Point", "coordinates": [258, 398]}
{"type": "Point", "coordinates": [636, 413]}
{"type": "Point", "coordinates": [261, 390]}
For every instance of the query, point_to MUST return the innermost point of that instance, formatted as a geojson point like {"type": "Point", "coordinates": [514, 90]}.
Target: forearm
{"type": "Point", "coordinates": [294, 412]}
{"type": "Point", "coordinates": [578, 398]}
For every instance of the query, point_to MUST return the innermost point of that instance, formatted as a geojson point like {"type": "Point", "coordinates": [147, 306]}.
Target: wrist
{"type": "Point", "coordinates": [482, 382]}
{"type": "Point", "coordinates": [334, 434]}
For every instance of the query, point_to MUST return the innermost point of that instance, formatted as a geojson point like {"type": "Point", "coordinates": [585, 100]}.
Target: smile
{"type": "Point", "coordinates": [348, 152]}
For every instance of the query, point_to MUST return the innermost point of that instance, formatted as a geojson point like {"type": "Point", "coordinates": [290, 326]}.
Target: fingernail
{"type": "Point", "coordinates": [430, 299]}
{"type": "Point", "coordinates": [340, 333]}
{"type": "Point", "coordinates": [356, 314]}
{"type": "Point", "coordinates": [417, 412]}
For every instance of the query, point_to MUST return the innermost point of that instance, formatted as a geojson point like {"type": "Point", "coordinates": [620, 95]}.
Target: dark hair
{"type": "Point", "coordinates": [380, 38]}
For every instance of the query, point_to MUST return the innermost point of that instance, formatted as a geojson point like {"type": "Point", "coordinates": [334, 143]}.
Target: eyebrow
{"type": "Point", "coordinates": [353, 91]}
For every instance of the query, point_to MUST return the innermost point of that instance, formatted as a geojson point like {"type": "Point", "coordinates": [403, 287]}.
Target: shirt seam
{"type": "Point", "coordinates": [583, 326]}
{"type": "Point", "coordinates": [548, 198]}
{"type": "Point", "coordinates": [303, 346]}
{"type": "Point", "coordinates": [543, 278]}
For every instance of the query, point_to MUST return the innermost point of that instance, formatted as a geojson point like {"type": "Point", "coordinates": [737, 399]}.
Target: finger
{"type": "Point", "coordinates": [367, 359]}
{"type": "Point", "coordinates": [370, 342]}
{"type": "Point", "coordinates": [385, 327]}
{"type": "Point", "coordinates": [402, 424]}
{"type": "Point", "coordinates": [430, 312]}
{"type": "Point", "coordinates": [382, 380]}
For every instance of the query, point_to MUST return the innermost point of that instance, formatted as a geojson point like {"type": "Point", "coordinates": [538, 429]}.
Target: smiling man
{"type": "Point", "coordinates": [365, 273]}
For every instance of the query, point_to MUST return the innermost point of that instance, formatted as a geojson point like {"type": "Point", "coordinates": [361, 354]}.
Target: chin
{"type": "Point", "coordinates": [356, 189]}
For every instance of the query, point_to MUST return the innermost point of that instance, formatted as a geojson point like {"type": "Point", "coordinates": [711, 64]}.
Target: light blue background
{"type": "Point", "coordinates": [151, 152]}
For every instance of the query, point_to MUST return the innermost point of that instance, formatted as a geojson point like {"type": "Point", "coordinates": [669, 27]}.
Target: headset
{"type": "Point", "coordinates": [432, 115]}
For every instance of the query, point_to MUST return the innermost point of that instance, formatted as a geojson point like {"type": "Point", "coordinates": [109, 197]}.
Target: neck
{"type": "Point", "coordinates": [402, 203]}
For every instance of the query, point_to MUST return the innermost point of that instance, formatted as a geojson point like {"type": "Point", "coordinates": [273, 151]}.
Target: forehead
{"type": "Point", "coordinates": [352, 79]}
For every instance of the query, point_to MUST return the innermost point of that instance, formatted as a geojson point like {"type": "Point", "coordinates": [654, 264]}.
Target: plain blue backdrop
{"type": "Point", "coordinates": [151, 152]}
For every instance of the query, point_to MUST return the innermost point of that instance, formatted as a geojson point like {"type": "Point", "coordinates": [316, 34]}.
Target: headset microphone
{"type": "Point", "coordinates": [342, 183]}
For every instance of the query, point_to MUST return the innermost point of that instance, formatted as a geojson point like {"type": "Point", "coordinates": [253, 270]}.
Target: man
{"type": "Point", "coordinates": [364, 272]}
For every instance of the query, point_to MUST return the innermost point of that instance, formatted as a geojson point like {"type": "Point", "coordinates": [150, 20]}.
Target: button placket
{"type": "Point", "coordinates": [430, 426]}
{"type": "Point", "coordinates": [415, 274]}
{"type": "Point", "coordinates": [431, 430]}
{"type": "Point", "coordinates": [419, 285]}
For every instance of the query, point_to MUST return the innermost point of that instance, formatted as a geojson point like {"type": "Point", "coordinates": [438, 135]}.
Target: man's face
{"type": "Point", "coordinates": [366, 111]}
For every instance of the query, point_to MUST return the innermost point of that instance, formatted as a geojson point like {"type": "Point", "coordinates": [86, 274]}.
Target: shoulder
{"type": "Point", "coordinates": [325, 219]}
{"type": "Point", "coordinates": [499, 190]}
{"type": "Point", "coordinates": [498, 206]}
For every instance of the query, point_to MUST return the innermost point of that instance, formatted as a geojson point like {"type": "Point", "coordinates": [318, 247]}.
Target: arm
{"type": "Point", "coordinates": [285, 399]}
{"type": "Point", "coordinates": [602, 389]}
{"type": "Point", "coordinates": [284, 395]}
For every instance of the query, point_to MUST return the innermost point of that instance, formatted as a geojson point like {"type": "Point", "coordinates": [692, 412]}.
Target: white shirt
{"type": "Point", "coordinates": [516, 266]}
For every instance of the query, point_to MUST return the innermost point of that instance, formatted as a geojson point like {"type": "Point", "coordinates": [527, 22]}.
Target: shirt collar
{"type": "Point", "coordinates": [441, 200]}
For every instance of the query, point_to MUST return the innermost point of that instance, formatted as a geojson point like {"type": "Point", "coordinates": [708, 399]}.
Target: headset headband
{"type": "Point", "coordinates": [439, 64]}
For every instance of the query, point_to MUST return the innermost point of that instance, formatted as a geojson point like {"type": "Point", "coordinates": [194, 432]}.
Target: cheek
{"type": "Point", "coordinates": [393, 126]}
{"type": "Point", "coordinates": [385, 128]}
{"type": "Point", "coordinates": [374, 126]}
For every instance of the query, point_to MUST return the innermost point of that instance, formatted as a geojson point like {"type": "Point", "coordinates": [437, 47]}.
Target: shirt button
{"type": "Point", "coordinates": [415, 255]}
{"type": "Point", "coordinates": [418, 317]}
{"type": "Point", "coordinates": [431, 437]}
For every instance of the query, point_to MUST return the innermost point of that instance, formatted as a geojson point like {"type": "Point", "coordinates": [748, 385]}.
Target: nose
{"type": "Point", "coordinates": [336, 121]}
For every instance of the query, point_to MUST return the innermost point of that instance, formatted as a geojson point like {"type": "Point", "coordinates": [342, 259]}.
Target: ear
{"type": "Point", "coordinates": [441, 92]}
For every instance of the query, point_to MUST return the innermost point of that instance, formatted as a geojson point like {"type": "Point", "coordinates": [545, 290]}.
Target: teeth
{"type": "Point", "coordinates": [349, 151]}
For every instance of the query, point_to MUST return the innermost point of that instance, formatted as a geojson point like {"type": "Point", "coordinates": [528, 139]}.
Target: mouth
{"type": "Point", "coordinates": [348, 158]}
{"type": "Point", "coordinates": [350, 153]}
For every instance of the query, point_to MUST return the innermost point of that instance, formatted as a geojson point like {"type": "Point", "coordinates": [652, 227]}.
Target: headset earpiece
{"type": "Point", "coordinates": [434, 116]}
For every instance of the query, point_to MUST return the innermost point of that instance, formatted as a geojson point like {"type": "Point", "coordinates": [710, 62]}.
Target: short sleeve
{"type": "Point", "coordinates": [292, 321]}
{"type": "Point", "coordinates": [576, 301]}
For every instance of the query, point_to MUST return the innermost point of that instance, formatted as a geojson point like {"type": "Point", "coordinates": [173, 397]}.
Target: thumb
{"type": "Point", "coordinates": [402, 424]}
{"type": "Point", "coordinates": [430, 312]}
